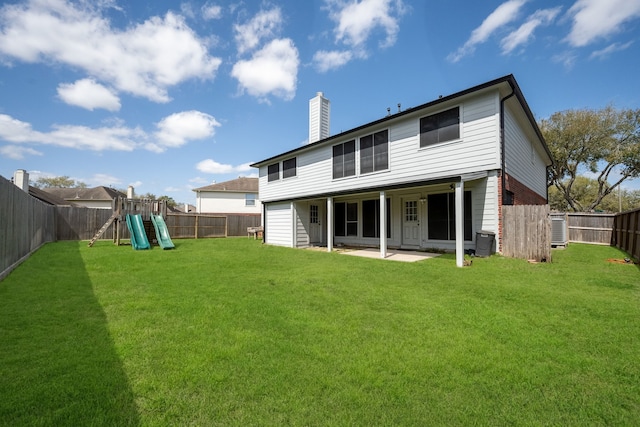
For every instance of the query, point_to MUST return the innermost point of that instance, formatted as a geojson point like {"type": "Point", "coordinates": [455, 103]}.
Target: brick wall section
{"type": "Point", "coordinates": [522, 195]}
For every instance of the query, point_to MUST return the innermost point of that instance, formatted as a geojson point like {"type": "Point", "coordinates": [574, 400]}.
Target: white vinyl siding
{"type": "Point", "coordinates": [523, 161]}
{"type": "Point", "coordinates": [478, 149]}
{"type": "Point", "coordinates": [279, 224]}
{"type": "Point", "coordinates": [302, 224]}
{"type": "Point", "coordinates": [226, 202]}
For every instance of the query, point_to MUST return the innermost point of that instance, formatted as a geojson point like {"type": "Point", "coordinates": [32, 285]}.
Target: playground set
{"type": "Point", "coordinates": [144, 219]}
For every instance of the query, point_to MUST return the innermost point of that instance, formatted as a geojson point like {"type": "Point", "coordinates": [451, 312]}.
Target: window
{"type": "Point", "coordinates": [344, 159]}
{"type": "Point", "coordinates": [441, 127]}
{"type": "Point", "coordinates": [346, 219]}
{"type": "Point", "coordinates": [371, 218]}
{"type": "Point", "coordinates": [313, 214]}
{"type": "Point", "coordinates": [442, 216]}
{"type": "Point", "coordinates": [250, 199]}
{"type": "Point", "coordinates": [274, 172]}
{"type": "Point", "coordinates": [374, 151]}
{"type": "Point", "coordinates": [289, 168]}
{"type": "Point", "coordinates": [411, 211]}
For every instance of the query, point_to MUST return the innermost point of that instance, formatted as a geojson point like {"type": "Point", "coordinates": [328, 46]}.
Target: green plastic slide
{"type": "Point", "coordinates": [162, 233]}
{"type": "Point", "coordinates": [138, 235]}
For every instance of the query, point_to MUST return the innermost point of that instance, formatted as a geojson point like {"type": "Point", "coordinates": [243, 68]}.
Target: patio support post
{"type": "Point", "coordinates": [383, 225]}
{"type": "Point", "coordinates": [459, 223]}
{"type": "Point", "coordinates": [329, 224]}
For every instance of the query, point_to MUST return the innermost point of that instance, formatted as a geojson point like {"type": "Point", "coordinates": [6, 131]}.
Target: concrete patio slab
{"type": "Point", "coordinates": [392, 255]}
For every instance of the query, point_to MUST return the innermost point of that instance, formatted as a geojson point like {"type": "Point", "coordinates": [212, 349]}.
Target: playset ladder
{"type": "Point", "coordinates": [104, 228]}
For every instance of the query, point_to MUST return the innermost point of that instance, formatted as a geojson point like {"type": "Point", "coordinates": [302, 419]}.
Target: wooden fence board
{"type": "Point", "coordinates": [526, 232]}
{"type": "Point", "coordinates": [626, 232]}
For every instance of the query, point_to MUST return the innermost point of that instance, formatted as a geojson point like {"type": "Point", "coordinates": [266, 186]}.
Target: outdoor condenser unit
{"type": "Point", "coordinates": [559, 231]}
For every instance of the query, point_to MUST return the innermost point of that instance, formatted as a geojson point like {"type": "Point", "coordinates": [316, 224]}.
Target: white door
{"type": "Point", "coordinates": [410, 223]}
{"type": "Point", "coordinates": [315, 228]}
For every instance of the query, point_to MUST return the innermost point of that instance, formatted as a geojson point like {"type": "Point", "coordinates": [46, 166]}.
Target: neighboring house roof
{"type": "Point", "coordinates": [180, 208]}
{"type": "Point", "coordinates": [239, 185]}
{"type": "Point", "coordinates": [95, 193]}
{"type": "Point", "coordinates": [48, 198]}
{"type": "Point", "coordinates": [507, 84]}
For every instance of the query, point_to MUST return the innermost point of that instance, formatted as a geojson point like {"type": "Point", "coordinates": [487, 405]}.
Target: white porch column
{"type": "Point", "coordinates": [383, 225]}
{"type": "Point", "coordinates": [329, 224]}
{"type": "Point", "coordinates": [460, 223]}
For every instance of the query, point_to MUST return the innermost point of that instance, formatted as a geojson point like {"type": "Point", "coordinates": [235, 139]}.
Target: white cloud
{"type": "Point", "coordinates": [612, 48]}
{"type": "Point", "coordinates": [210, 12]}
{"type": "Point", "coordinates": [502, 15]}
{"type": "Point", "coordinates": [330, 60]}
{"type": "Point", "coordinates": [177, 129]}
{"type": "Point", "coordinates": [525, 31]}
{"type": "Point", "coordinates": [17, 152]}
{"type": "Point", "coordinates": [271, 70]}
{"type": "Point", "coordinates": [357, 20]}
{"type": "Point", "coordinates": [89, 94]}
{"type": "Point", "coordinates": [568, 59]}
{"type": "Point", "coordinates": [144, 60]}
{"type": "Point", "coordinates": [213, 167]}
{"type": "Point", "coordinates": [104, 179]}
{"type": "Point", "coordinates": [266, 24]}
{"type": "Point", "coordinates": [356, 23]}
{"type": "Point", "coordinates": [595, 19]}
{"type": "Point", "coordinates": [172, 131]}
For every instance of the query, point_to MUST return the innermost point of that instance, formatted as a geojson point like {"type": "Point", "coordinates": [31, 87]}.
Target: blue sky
{"type": "Point", "coordinates": [168, 96]}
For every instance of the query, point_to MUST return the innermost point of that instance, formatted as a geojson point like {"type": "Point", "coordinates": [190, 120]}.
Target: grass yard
{"type": "Point", "coordinates": [231, 332]}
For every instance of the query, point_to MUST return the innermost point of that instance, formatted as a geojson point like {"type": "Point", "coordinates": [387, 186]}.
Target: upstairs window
{"type": "Point", "coordinates": [289, 168]}
{"type": "Point", "coordinates": [344, 159]}
{"type": "Point", "coordinates": [249, 199]}
{"type": "Point", "coordinates": [374, 152]}
{"type": "Point", "coordinates": [274, 172]}
{"type": "Point", "coordinates": [441, 127]}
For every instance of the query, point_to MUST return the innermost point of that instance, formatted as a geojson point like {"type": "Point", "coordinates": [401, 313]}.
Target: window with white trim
{"type": "Point", "coordinates": [289, 168]}
{"type": "Point", "coordinates": [273, 172]}
{"type": "Point", "coordinates": [374, 152]}
{"type": "Point", "coordinates": [344, 159]}
{"type": "Point", "coordinates": [440, 127]}
{"type": "Point", "coordinates": [250, 199]}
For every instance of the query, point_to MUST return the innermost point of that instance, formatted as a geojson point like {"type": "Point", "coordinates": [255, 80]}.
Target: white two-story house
{"type": "Point", "coordinates": [431, 176]}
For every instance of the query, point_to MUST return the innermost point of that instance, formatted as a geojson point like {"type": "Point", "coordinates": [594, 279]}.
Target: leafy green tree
{"type": "Point", "coordinates": [58, 182]}
{"type": "Point", "coordinates": [598, 141]}
{"type": "Point", "coordinates": [586, 189]}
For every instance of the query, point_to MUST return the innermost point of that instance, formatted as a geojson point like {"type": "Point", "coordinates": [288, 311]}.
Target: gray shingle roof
{"type": "Point", "coordinates": [239, 185]}
{"type": "Point", "coordinates": [95, 193]}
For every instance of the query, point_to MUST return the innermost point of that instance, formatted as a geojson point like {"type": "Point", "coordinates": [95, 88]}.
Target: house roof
{"type": "Point", "coordinates": [95, 193]}
{"type": "Point", "coordinates": [238, 185]}
{"type": "Point", "coordinates": [48, 198]}
{"type": "Point", "coordinates": [507, 84]}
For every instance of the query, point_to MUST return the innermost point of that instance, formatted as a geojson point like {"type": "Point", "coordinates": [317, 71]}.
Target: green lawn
{"type": "Point", "coordinates": [233, 332]}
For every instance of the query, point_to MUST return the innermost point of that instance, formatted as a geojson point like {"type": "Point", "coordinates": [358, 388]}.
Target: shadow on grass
{"type": "Point", "coordinates": [58, 363]}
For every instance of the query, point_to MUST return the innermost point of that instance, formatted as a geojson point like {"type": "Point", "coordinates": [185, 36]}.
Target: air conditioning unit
{"type": "Point", "coordinates": [559, 231]}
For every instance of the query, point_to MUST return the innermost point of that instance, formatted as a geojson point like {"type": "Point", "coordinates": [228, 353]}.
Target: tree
{"type": "Point", "coordinates": [170, 202]}
{"type": "Point", "coordinates": [585, 189]}
{"type": "Point", "coordinates": [597, 141]}
{"type": "Point", "coordinates": [58, 182]}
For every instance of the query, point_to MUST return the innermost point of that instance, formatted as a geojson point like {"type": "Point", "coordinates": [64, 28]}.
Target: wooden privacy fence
{"type": "Point", "coordinates": [79, 223]}
{"type": "Point", "coordinates": [526, 232]}
{"type": "Point", "coordinates": [26, 224]}
{"type": "Point", "coordinates": [626, 232]}
{"type": "Point", "coordinates": [586, 227]}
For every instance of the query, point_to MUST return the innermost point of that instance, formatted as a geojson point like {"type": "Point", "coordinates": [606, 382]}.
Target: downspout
{"type": "Point", "coordinates": [503, 162]}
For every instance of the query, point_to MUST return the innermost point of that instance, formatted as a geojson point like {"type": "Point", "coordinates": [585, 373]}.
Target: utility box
{"type": "Point", "coordinates": [485, 243]}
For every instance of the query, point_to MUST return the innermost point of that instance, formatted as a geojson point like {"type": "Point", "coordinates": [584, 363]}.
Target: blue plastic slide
{"type": "Point", "coordinates": [138, 235]}
{"type": "Point", "coordinates": [162, 233]}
